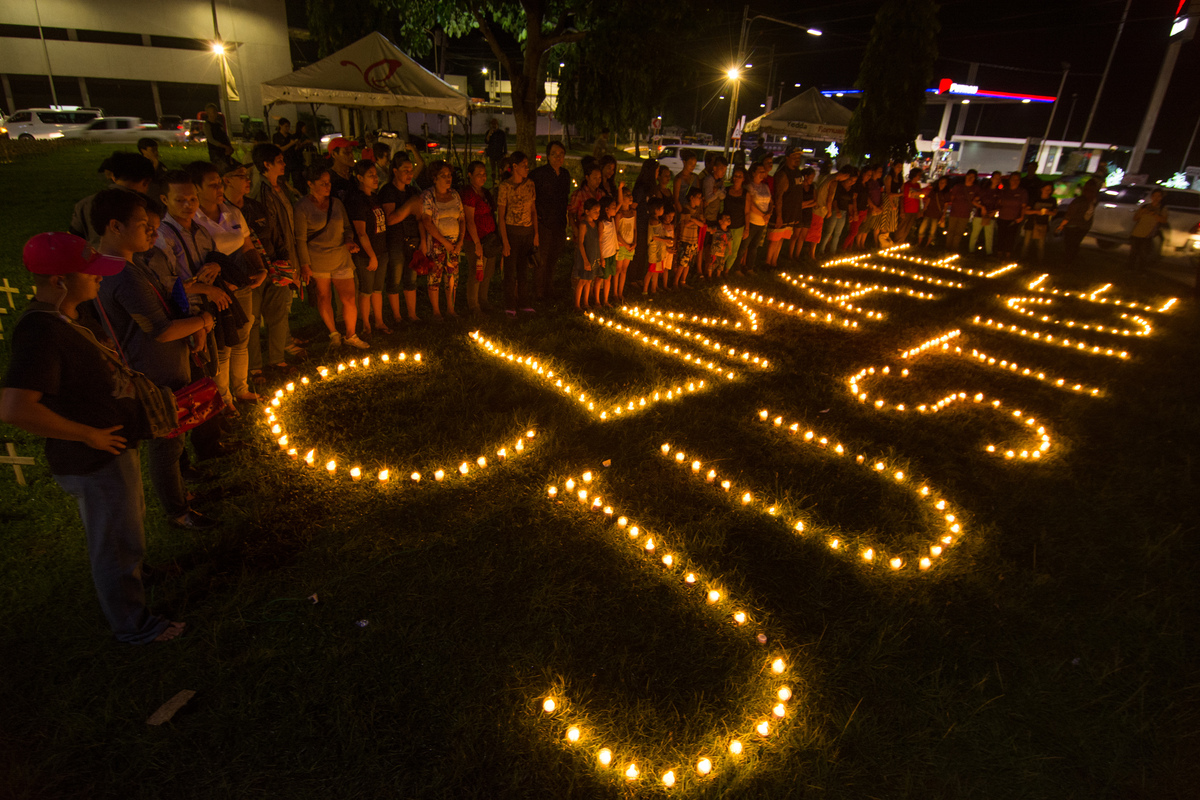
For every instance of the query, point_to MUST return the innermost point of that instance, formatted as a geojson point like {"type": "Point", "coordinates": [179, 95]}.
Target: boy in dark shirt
{"type": "Point", "coordinates": [62, 384]}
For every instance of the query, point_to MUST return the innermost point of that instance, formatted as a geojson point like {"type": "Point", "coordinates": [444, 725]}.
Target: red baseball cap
{"type": "Point", "coordinates": [65, 253]}
{"type": "Point", "coordinates": [336, 142]}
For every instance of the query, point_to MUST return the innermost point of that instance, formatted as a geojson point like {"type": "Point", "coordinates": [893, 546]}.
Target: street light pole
{"type": "Point", "coordinates": [735, 74]}
{"type": "Point", "coordinates": [1104, 78]}
{"type": "Point", "coordinates": [1053, 109]}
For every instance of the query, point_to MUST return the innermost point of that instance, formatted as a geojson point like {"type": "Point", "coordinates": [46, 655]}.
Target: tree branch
{"type": "Point", "coordinates": [492, 41]}
{"type": "Point", "coordinates": [565, 38]}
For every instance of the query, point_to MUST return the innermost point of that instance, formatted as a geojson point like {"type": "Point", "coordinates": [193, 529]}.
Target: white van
{"type": "Point", "coordinates": [672, 155]}
{"type": "Point", "coordinates": [48, 123]}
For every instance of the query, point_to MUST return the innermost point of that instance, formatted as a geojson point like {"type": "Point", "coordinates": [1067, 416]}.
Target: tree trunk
{"type": "Point", "coordinates": [525, 107]}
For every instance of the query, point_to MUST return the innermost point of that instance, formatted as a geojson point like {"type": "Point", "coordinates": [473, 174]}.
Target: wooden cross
{"type": "Point", "coordinates": [16, 461]}
{"type": "Point", "coordinates": [10, 291]}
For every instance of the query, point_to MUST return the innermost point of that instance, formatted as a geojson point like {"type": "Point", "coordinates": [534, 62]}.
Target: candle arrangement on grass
{"type": "Point", "coordinates": [575, 726]}
{"type": "Point", "coordinates": [659, 320]}
{"type": "Point", "coordinates": [599, 410]}
{"type": "Point", "coordinates": [948, 530]}
{"type": "Point", "coordinates": [743, 296]}
{"type": "Point", "coordinates": [336, 466]}
{"type": "Point", "coordinates": [663, 347]}
{"type": "Point", "coordinates": [855, 289]}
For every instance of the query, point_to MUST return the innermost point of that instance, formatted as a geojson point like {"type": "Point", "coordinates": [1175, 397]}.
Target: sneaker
{"type": "Point", "coordinates": [354, 341]}
{"type": "Point", "coordinates": [193, 520]}
{"type": "Point", "coordinates": [335, 339]}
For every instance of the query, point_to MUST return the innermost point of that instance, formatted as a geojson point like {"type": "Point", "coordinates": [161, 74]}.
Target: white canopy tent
{"type": "Point", "coordinates": [372, 73]}
{"type": "Point", "coordinates": [808, 115]}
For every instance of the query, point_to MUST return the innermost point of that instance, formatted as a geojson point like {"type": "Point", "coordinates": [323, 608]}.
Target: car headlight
{"type": "Point", "coordinates": [55, 135]}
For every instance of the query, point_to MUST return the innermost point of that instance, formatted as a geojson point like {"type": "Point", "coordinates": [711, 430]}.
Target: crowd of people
{"type": "Point", "coordinates": [202, 266]}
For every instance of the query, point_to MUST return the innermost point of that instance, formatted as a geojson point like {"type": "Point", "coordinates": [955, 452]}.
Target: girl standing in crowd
{"type": "Point", "coordinates": [369, 219]}
{"type": "Point", "coordinates": [668, 235]}
{"type": "Point", "coordinates": [665, 190]}
{"type": "Point", "coordinates": [482, 244]}
{"type": "Point", "coordinates": [443, 220]}
{"type": "Point", "coordinates": [689, 235]}
{"type": "Point", "coordinates": [716, 246]}
{"type": "Point", "coordinates": [735, 207]}
{"type": "Point", "coordinates": [758, 207]}
{"type": "Point", "coordinates": [910, 205]}
{"type": "Point", "coordinates": [403, 205]}
{"type": "Point", "coordinates": [873, 200]}
{"type": "Point", "coordinates": [587, 252]}
{"type": "Point", "coordinates": [656, 247]}
{"type": "Point", "coordinates": [1037, 220]}
{"type": "Point", "coordinates": [1077, 220]}
{"type": "Point", "coordinates": [937, 198]}
{"type": "Point", "coordinates": [890, 214]}
{"type": "Point", "coordinates": [590, 190]}
{"type": "Point", "coordinates": [608, 175]}
{"type": "Point", "coordinates": [607, 226]}
{"type": "Point", "coordinates": [626, 220]}
{"type": "Point", "coordinates": [324, 242]}
{"type": "Point", "coordinates": [685, 181]}
{"type": "Point", "coordinates": [516, 219]}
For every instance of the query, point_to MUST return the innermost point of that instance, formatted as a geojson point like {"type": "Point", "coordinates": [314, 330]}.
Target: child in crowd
{"type": "Point", "coordinates": [587, 252]}
{"type": "Point", "coordinates": [626, 221]}
{"type": "Point", "coordinates": [689, 235]}
{"type": "Point", "coordinates": [656, 247]}
{"type": "Point", "coordinates": [668, 235]}
{"type": "Point", "coordinates": [607, 227]}
{"type": "Point", "coordinates": [716, 247]}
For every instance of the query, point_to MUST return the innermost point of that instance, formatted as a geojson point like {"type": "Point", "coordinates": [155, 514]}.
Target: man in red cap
{"type": "Point", "coordinates": [62, 384]}
{"type": "Point", "coordinates": [341, 161]}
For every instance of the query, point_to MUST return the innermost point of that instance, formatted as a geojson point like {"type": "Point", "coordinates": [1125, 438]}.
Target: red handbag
{"type": "Point", "coordinates": [420, 263]}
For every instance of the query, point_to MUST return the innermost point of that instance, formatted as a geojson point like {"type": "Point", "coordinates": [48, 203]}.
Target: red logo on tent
{"type": "Point", "coordinates": [376, 75]}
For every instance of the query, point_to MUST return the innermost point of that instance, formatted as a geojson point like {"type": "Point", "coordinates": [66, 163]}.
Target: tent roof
{"type": "Point", "coordinates": [808, 115]}
{"type": "Point", "coordinates": [371, 73]}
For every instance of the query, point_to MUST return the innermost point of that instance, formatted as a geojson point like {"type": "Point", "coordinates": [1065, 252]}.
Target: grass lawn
{"type": "Point", "coordinates": [1048, 652]}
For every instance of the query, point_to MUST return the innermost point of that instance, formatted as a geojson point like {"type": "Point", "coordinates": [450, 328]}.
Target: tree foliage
{"type": "Point", "coordinates": [615, 78]}
{"type": "Point", "coordinates": [895, 72]}
{"type": "Point", "coordinates": [521, 34]}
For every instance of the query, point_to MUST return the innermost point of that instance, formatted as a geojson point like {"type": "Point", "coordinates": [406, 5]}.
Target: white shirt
{"type": "Point", "coordinates": [229, 230]}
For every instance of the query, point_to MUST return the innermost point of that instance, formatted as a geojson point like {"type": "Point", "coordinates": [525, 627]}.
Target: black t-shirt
{"type": "Point", "coordinates": [553, 194]}
{"type": "Point", "coordinates": [497, 143]}
{"type": "Point", "coordinates": [62, 360]}
{"type": "Point", "coordinates": [367, 210]}
{"type": "Point", "coordinates": [410, 227]}
{"type": "Point", "coordinates": [342, 187]}
{"type": "Point", "coordinates": [841, 198]}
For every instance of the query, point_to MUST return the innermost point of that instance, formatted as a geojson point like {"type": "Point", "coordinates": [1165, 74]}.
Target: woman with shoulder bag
{"type": "Point", "coordinates": [402, 204]}
{"type": "Point", "coordinates": [482, 244]}
{"type": "Point", "coordinates": [324, 243]}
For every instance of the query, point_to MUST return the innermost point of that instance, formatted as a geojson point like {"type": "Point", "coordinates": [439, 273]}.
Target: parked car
{"type": "Point", "coordinates": [1113, 220]}
{"type": "Point", "coordinates": [170, 122]}
{"type": "Point", "coordinates": [48, 123]}
{"type": "Point", "coordinates": [671, 156]}
{"type": "Point", "coordinates": [193, 131]}
{"type": "Point", "coordinates": [123, 129]}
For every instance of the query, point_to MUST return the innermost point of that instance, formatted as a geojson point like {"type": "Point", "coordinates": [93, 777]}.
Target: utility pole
{"type": "Point", "coordinates": [1104, 77]}
{"type": "Point", "coordinates": [46, 51]}
{"type": "Point", "coordinates": [735, 75]}
{"type": "Point", "coordinates": [1182, 29]}
{"type": "Point", "coordinates": [1053, 109]}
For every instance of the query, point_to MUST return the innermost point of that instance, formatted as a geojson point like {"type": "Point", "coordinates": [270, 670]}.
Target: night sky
{"type": "Point", "coordinates": [1020, 44]}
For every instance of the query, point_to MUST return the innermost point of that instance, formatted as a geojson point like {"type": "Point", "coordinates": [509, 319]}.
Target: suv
{"type": "Point", "coordinates": [671, 156]}
{"type": "Point", "coordinates": [1113, 220]}
{"type": "Point", "coordinates": [48, 123]}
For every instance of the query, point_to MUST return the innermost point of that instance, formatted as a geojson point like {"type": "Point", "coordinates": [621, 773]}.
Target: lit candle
{"type": "Point", "coordinates": [481, 461]}
{"type": "Point", "coordinates": [356, 473]}
{"type": "Point", "coordinates": [785, 693]}
{"type": "Point", "coordinates": [552, 491]}
{"type": "Point", "coordinates": [384, 476]}
{"type": "Point", "coordinates": [739, 617]}
{"type": "Point", "coordinates": [735, 747]}
{"type": "Point", "coordinates": [331, 466]}
{"type": "Point", "coordinates": [704, 766]}
{"type": "Point", "coordinates": [573, 734]}
{"type": "Point", "coordinates": [604, 757]}
{"type": "Point", "coordinates": [777, 666]}
{"type": "Point", "coordinates": [668, 779]}
{"type": "Point", "coordinates": [713, 596]}
{"type": "Point", "coordinates": [779, 710]}
{"type": "Point", "coordinates": [292, 453]}
{"type": "Point", "coordinates": [712, 475]}
{"type": "Point", "coordinates": [464, 468]}
{"type": "Point", "coordinates": [549, 705]}
{"type": "Point", "coordinates": [439, 475]}
{"type": "Point", "coordinates": [310, 457]}
{"type": "Point", "coordinates": [587, 477]}
{"type": "Point", "coordinates": [631, 773]}
{"type": "Point", "coordinates": [763, 728]}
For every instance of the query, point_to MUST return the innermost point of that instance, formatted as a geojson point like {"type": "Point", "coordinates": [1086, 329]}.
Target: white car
{"type": "Point", "coordinates": [48, 123]}
{"type": "Point", "coordinates": [1113, 220]}
{"type": "Point", "coordinates": [671, 156]}
{"type": "Point", "coordinates": [124, 129]}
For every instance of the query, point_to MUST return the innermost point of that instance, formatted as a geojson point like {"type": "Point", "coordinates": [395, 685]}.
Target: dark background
{"type": "Point", "coordinates": [1020, 44]}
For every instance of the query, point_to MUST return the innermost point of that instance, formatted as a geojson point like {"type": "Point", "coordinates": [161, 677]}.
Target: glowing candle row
{"type": "Point", "coordinates": [694, 319]}
{"type": "Point", "coordinates": [576, 733]}
{"type": "Point", "coordinates": [859, 289]}
{"type": "Point", "coordinates": [1020, 305]}
{"type": "Point", "coordinates": [656, 319]}
{"type": "Point", "coordinates": [902, 273]}
{"type": "Point", "coordinates": [949, 262]}
{"type": "Point", "coordinates": [1049, 338]}
{"type": "Point", "coordinates": [736, 295]}
{"type": "Point", "coordinates": [841, 301]}
{"type": "Point", "coordinates": [1096, 296]}
{"type": "Point", "coordinates": [663, 347]}
{"type": "Point", "coordinates": [749, 499]}
{"type": "Point", "coordinates": [596, 408]}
